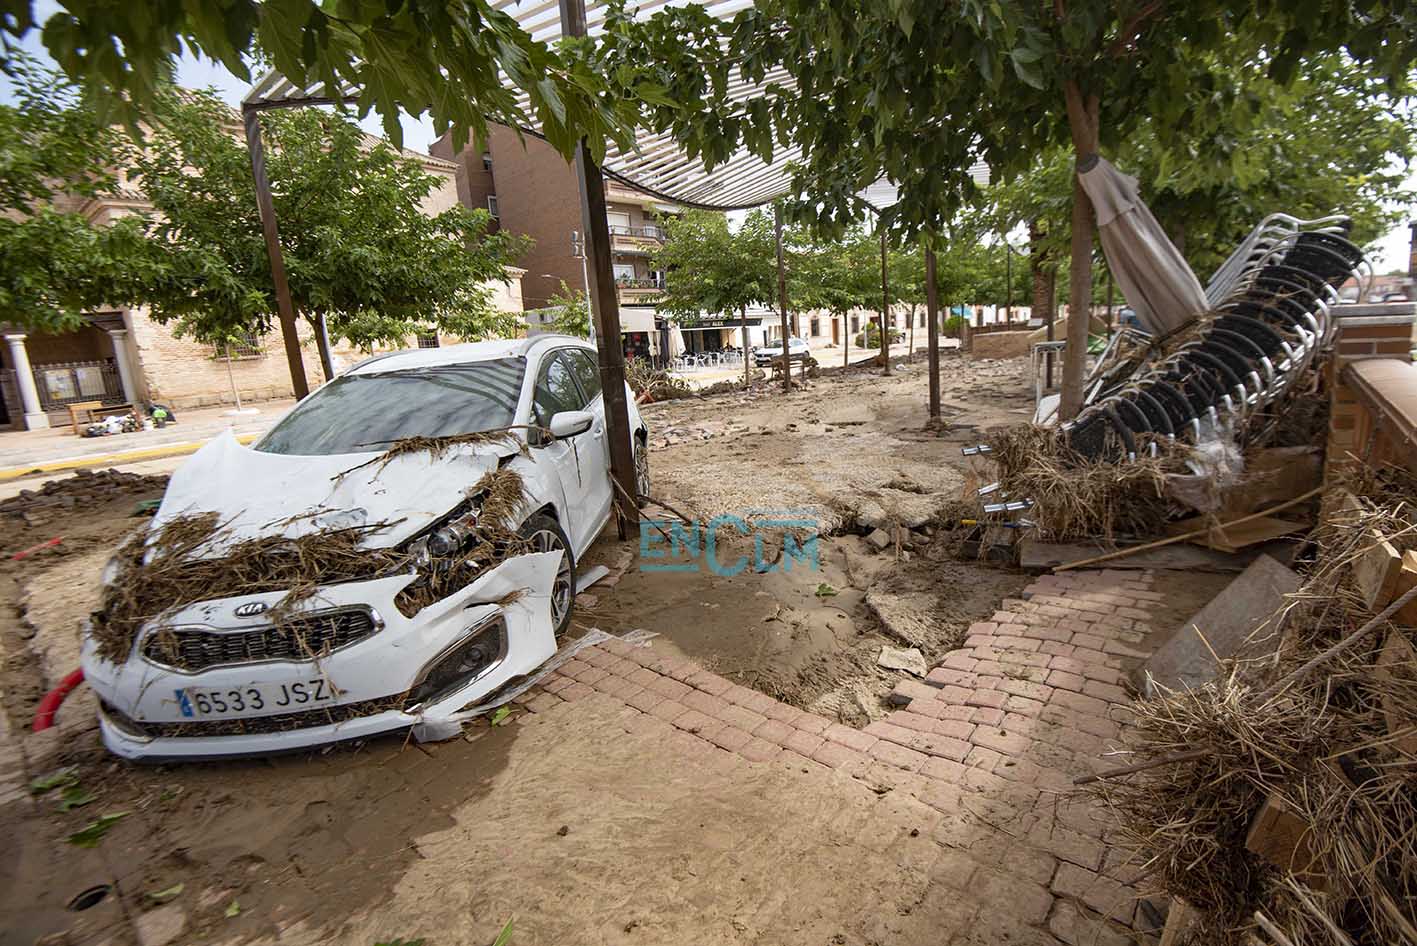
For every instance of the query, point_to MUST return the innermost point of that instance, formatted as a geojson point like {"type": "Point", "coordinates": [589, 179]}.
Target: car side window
{"type": "Point", "coordinates": [556, 389]}
{"type": "Point", "coordinates": [586, 371]}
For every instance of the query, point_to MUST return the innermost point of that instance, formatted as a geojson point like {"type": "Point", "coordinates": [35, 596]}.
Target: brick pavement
{"type": "Point", "coordinates": [992, 739]}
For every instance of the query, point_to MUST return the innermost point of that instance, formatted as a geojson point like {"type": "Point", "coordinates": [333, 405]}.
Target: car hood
{"type": "Point", "coordinates": [257, 495]}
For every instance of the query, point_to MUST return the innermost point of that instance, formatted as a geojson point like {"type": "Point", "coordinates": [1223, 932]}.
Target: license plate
{"type": "Point", "coordinates": [262, 699]}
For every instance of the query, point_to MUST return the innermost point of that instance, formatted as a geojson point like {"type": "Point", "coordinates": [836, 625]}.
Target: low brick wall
{"type": "Point", "coordinates": [1373, 387]}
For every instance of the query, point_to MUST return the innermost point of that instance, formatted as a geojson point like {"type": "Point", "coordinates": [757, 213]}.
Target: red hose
{"type": "Point", "coordinates": [44, 716]}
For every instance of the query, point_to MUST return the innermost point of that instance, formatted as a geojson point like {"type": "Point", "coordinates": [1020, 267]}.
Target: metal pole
{"type": "Point", "coordinates": [782, 298]}
{"type": "Point", "coordinates": [605, 308]}
{"type": "Point", "coordinates": [748, 378]}
{"type": "Point", "coordinates": [231, 379]}
{"type": "Point", "coordinates": [322, 341]}
{"type": "Point", "coordinates": [1009, 281]}
{"type": "Point", "coordinates": [885, 307]}
{"type": "Point", "coordinates": [932, 337]}
{"type": "Point", "coordinates": [1109, 301]}
{"type": "Point", "coordinates": [1052, 317]}
{"type": "Point", "coordinates": [266, 207]}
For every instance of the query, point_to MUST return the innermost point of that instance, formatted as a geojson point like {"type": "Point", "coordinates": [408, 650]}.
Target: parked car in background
{"type": "Point", "coordinates": [797, 350]}
{"type": "Point", "coordinates": [224, 676]}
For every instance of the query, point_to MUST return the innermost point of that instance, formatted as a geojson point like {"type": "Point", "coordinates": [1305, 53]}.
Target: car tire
{"type": "Point", "coordinates": [641, 468]}
{"type": "Point", "coordinates": [545, 535]}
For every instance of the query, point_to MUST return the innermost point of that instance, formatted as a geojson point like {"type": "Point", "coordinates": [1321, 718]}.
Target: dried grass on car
{"type": "Point", "coordinates": [174, 566]}
{"type": "Point", "coordinates": [1079, 498]}
{"type": "Point", "coordinates": [1323, 745]}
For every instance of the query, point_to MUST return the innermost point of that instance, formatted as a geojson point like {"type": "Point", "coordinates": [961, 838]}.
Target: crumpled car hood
{"type": "Point", "coordinates": [258, 494]}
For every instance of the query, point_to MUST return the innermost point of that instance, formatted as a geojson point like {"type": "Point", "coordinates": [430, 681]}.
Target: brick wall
{"type": "Point", "coordinates": [1370, 404]}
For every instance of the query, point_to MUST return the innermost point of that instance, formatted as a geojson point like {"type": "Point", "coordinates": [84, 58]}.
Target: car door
{"type": "Point", "coordinates": [579, 462]}
{"type": "Point", "coordinates": [587, 372]}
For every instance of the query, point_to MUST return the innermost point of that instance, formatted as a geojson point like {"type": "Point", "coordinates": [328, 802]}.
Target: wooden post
{"type": "Point", "coordinates": [265, 206]}
{"type": "Point", "coordinates": [885, 307]}
{"type": "Point", "coordinates": [605, 308]}
{"type": "Point", "coordinates": [782, 301]}
{"type": "Point", "coordinates": [932, 336]}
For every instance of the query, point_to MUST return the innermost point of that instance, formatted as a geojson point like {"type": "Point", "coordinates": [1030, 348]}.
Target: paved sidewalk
{"type": "Point", "coordinates": [991, 740]}
{"type": "Point", "coordinates": [58, 448]}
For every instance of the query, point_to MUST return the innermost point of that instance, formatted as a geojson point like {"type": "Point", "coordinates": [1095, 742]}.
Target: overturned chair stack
{"type": "Point", "coordinates": [1269, 319]}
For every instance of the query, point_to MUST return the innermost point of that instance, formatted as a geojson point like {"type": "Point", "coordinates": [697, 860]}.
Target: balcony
{"type": "Point", "coordinates": [636, 241]}
{"type": "Point", "coordinates": [638, 291]}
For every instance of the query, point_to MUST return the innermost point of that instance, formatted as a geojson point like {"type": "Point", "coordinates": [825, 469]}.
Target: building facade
{"type": "Point", "coordinates": [123, 356]}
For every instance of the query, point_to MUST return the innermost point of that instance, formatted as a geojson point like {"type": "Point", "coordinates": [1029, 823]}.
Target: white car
{"type": "Point", "coordinates": [797, 350]}
{"type": "Point", "coordinates": [218, 677]}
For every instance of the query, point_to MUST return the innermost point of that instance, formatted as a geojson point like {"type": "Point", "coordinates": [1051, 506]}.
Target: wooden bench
{"type": "Point", "coordinates": [91, 411]}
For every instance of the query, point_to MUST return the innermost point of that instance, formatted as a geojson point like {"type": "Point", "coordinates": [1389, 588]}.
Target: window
{"type": "Point", "coordinates": [816, 327]}
{"type": "Point", "coordinates": [245, 345]}
{"type": "Point", "coordinates": [492, 205]}
{"type": "Point", "coordinates": [556, 390]}
{"type": "Point", "coordinates": [587, 372]}
{"type": "Point", "coordinates": [855, 324]}
{"type": "Point", "coordinates": [619, 222]}
{"type": "Point", "coordinates": [624, 271]}
{"type": "Point", "coordinates": [486, 161]}
{"type": "Point", "coordinates": [921, 322]}
{"type": "Point", "coordinates": [428, 341]}
{"type": "Point", "coordinates": [360, 413]}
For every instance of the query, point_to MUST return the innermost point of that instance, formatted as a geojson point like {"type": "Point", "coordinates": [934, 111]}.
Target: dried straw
{"type": "Point", "coordinates": [1079, 498]}
{"type": "Point", "coordinates": [176, 565]}
{"type": "Point", "coordinates": [1321, 745]}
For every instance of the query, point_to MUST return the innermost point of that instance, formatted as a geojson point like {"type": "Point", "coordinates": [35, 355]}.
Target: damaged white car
{"type": "Point", "coordinates": [400, 546]}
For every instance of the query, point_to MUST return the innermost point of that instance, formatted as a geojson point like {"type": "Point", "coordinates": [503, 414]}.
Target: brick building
{"type": "Point", "coordinates": [532, 190]}
{"type": "Point", "coordinates": [124, 356]}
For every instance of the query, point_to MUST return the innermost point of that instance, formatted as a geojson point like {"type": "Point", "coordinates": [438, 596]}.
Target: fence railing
{"type": "Point", "coordinates": [73, 381]}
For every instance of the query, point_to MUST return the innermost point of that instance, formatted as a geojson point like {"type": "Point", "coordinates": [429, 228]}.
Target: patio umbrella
{"type": "Point", "coordinates": [1151, 272]}
{"type": "Point", "coordinates": [676, 340]}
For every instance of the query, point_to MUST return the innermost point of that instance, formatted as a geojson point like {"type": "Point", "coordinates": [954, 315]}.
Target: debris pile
{"type": "Point", "coordinates": [1280, 800]}
{"type": "Point", "coordinates": [84, 488]}
{"type": "Point", "coordinates": [654, 384]}
{"type": "Point", "coordinates": [194, 558]}
{"type": "Point", "coordinates": [1079, 497]}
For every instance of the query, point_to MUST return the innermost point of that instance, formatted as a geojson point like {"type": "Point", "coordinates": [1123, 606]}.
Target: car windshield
{"type": "Point", "coordinates": [366, 412]}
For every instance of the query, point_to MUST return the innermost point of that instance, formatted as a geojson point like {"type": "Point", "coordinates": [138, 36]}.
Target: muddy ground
{"type": "Point", "coordinates": [313, 847]}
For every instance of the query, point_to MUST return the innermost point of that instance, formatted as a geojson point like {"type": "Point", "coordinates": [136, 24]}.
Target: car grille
{"type": "Point", "coordinates": [255, 725]}
{"type": "Point", "coordinates": [304, 638]}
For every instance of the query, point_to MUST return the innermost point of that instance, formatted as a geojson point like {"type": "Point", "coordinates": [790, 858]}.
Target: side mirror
{"type": "Point", "coordinates": [570, 423]}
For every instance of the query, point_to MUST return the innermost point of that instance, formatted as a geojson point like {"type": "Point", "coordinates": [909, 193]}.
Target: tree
{"type": "Point", "coordinates": [837, 276]}
{"type": "Point", "coordinates": [363, 259]}
{"type": "Point", "coordinates": [419, 57]}
{"type": "Point", "coordinates": [55, 263]}
{"type": "Point", "coordinates": [709, 268]}
{"type": "Point", "coordinates": [572, 311]}
{"type": "Point", "coordinates": [915, 90]}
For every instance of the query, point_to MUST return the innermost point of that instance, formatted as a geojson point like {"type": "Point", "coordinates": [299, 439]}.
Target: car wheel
{"type": "Point", "coordinates": [641, 468]}
{"type": "Point", "coordinates": [545, 535]}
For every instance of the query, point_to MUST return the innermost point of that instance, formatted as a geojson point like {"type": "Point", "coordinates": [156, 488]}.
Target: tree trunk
{"type": "Point", "coordinates": [747, 362]}
{"type": "Point", "coordinates": [885, 308]}
{"type": "Point", "coordinates": [845, 341]}
{"type": "Point", "coordinates": [910, 348]}
{"type": "Point", "coordinates": [322, 343]}
{"type": "Point", "coordinates": [1082, 123]}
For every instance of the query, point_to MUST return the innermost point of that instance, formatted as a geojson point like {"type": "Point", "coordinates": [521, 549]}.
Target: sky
{"type": "Point", "coordinates": [1391, 251]}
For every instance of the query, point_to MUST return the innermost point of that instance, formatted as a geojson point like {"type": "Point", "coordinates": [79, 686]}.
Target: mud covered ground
{"type": "Point", "coordinates": [312, 847]}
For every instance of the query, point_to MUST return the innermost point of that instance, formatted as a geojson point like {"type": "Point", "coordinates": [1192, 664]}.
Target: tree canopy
{"type": "Point", "coordinates": [54, 262]}
{"type": "Point", "coordinates": [360, 251]}
{"type": "Point", "coordinates": [710, 268]}
{"type": "Point", "coordinates": [438, 58]}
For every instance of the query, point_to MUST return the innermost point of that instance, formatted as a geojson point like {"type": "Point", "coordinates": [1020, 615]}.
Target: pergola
{"type": "Point", "coordinates": [656, 165]}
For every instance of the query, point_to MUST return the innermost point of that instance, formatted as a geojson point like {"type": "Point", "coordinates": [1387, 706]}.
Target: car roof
{"type": "Point", "coordinates": [466, 353]}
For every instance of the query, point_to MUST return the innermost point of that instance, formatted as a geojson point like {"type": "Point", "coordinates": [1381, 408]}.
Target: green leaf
{"type": "Point", "coordinates": [655, 94]}
{"type": "Point", "coordinates": [501, 715]}
{"type": "Point", "coordinates": [166, 894]}
{"type": "Point", "coordinates": [55, 779]}
{"type": "Point", "coordinates": [74, 796]}
{"type": "Point", "coordinates": [93, 832]}
{"type": "Point", "coordinates": [1028, 71]}
{"type": "Point", "coordinates": [233, 909]}
{"type": "Point", "coordinates": [825, 590]}
{"type": "Point", "coordinates": [504, 937]}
